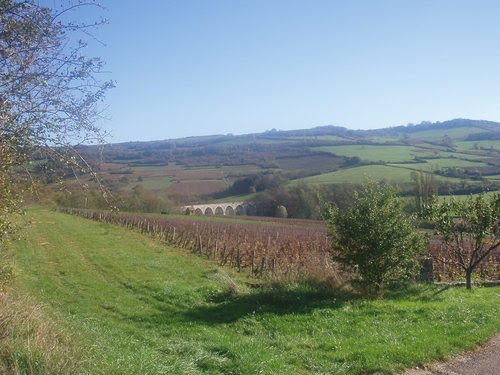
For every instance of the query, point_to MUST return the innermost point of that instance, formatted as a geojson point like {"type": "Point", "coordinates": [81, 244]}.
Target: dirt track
{"type": "Point", "coordinates": [482, 361]}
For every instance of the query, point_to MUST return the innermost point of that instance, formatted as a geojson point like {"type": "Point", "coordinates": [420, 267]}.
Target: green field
{"type": "Point", "coordinates": [487, 194]}
{"type": "Point", "coordinates": [438, 134]}
{"type": "Point", "coordinates": [236, 198]}
{"type": "Point", "coordinates": [134, 306]}
{"type": "Point", "coordinates": [389, 153]}
{"type": "Point", "coordinates": [392, 173]}
{"type": "Point", "coordinates": [156, 183]}
{"type": "Point", "coordinates": [322, 137]}
{"type": "Point", "coordinates": [475, 145]}
{"type": "Point", "coordinates": [436, 164]}
{"type": "Point", "coordinates": [398, 154]}
{"type": "Point", "coordinates": [360, 174]}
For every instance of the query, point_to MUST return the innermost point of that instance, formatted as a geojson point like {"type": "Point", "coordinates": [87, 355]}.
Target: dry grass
{"type": "Point", "coordinates": [29, 342]}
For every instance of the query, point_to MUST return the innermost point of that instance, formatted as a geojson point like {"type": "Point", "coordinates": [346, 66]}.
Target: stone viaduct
{"type": "Point", "coordinates": [218, 209]}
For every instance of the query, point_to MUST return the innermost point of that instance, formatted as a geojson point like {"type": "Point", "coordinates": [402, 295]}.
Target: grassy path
{"type": "Point", "coordinates": [137, 307]}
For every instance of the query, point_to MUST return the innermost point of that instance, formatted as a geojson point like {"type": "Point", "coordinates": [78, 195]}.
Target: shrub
{"type": "Point", "coordinates": [281, 211]}
{"type": "Point", "coordinates": [375, 238]}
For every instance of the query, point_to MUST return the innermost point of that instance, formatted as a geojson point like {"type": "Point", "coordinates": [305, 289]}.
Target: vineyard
{"type": "Point", "coordinates": [287, 249]}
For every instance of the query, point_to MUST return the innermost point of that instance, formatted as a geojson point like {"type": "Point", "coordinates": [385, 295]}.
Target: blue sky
{"type": "Point", "coordinates": [187, 67]}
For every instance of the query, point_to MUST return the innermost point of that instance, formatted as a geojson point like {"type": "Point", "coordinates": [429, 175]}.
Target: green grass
{"type": "Point", "coordinates": [476, 145]}
{"type": "Point", "coordinates": [438, 134]}
{"type": "Point", "coordinates": [464, 197]}
{"type": "Point", "coordinates": [137, 307]}
{"type": "Point", "coordinates": [321, 137]}
{"type": "Point", "coordinates": [155, 183]}
{"type": "Point", "coordinates": [389, 153]}
{"type": "Point", "coordinates": [397, 154]}
{"type": "Point", "coordinates": [236, 198]}
{"type": "Point", "coordinates": [435, 164]}
{"type": "Point", "coordinates": [393, 173]}
{"type": "Point", "coordinates": [360, 174]}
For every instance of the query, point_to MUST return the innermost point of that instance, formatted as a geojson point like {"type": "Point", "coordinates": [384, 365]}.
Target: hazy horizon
{"type": "Point", "coordinates": [111, 141]}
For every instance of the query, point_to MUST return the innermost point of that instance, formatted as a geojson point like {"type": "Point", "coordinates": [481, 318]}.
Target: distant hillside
{"type": "Point", "coordinates": [492, 129]}
{"type": "Point", "coordinates": [483, 125]}
{"type": "Point", "coordinates": [458, 153]}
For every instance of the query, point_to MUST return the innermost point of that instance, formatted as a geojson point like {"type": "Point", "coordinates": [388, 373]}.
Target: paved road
{"type": "Point", "coordinates": [483, 361]}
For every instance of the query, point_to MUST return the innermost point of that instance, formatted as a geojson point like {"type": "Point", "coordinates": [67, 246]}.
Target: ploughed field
{"type": "Point", "coordinates": [135, 305]}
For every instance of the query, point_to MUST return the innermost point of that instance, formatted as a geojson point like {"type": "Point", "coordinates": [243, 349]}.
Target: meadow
{"type": "Point", "coordinates": [360, 174]}
{"type": "Point", "coordinates": [132, 305]}
{"type": "Point", "coordinates": [476, 145]}
{"type": "Point", "coordinates": [440, 163]}
{"type": "Point", "coordinates": [374, 153]}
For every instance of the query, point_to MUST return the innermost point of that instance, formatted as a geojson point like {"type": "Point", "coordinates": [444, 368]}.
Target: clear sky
{"type": "Point", "coordinates": [186, 67]}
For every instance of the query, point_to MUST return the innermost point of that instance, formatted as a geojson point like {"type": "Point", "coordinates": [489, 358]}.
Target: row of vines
{"type": "Point", "coordinates": [282, 249]}
{"type": "Point", "coordinates": [445, 268]}
{"type": "Point", "coordinates": [287, 251]}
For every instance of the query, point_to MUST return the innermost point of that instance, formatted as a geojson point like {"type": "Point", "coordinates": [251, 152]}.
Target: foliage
{"type": "Point", "coordinates": [143, 200]}
{"type": "Point", "coordinates": [470, 229]}
{"type": "Point", "coordinates": [9, 200]}
{"type": "Point", "coordinates": [303, 201]}
{"type": "Point", "coordinates": [281, 211]}
{"type": "Point", "coordinates": [425, 189]}
{"type": "Point", "coordinates": [138, 199]}
{"type": "Point", "coordinates": [375, 237]}
{"type": "Point", "coordinates": [254, 183]}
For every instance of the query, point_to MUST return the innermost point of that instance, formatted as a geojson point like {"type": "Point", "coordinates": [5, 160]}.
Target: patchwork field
{"type": "Point", "coordinates": [200, 168]}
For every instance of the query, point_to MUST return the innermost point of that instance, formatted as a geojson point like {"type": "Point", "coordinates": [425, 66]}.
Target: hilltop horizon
{"type": "Point", "coordinates": [424, 123]}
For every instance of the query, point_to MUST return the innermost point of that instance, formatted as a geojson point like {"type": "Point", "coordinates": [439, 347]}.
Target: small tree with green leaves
{"type": "Point", "coordinates": [470, 229]}
{"type": "Point", "coordinates": [375, 238]}
{"type": "Point", "coordinates": [281, 211]}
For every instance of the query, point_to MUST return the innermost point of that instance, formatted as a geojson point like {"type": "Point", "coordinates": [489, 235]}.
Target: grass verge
{"type": "Point", "coordinates": [30, 343]}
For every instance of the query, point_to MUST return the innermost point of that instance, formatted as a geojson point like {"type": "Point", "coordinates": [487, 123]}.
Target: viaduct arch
{"type": "Point", "coordinates": [218, 209]}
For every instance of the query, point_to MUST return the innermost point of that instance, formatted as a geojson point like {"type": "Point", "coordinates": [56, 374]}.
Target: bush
{"type": "Point", "coordinates": [375, 238]}
{"type": "Point", "coordinates": [281, 211]}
